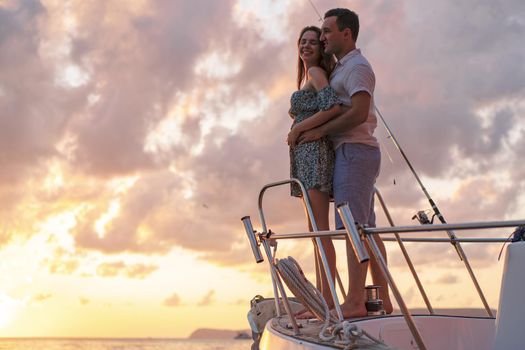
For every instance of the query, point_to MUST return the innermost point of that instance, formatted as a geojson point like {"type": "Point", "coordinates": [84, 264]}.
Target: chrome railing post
{"type": "Point", "coordinates": [353, 235]}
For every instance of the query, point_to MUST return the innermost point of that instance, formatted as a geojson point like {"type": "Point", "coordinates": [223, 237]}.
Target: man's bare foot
{"type": "Point", "coordinates": [387, 305]}
{"type": "Point", "coordinates": [302, 311]}
{"type": "Point", "coordinates": [352, 310]}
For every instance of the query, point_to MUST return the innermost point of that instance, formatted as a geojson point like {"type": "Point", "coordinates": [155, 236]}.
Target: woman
{"type": "Point", "coordinates": [313, 162]}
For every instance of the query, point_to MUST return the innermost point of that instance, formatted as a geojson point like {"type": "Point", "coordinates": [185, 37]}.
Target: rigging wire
{"type": "Point", "coordinates": [315, 9]}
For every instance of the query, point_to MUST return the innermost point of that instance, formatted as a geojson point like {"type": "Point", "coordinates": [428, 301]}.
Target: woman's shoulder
{"type": "Point", "coordinates": [317, 71]}
{"type": "Point", "coordinates": [318, 76]}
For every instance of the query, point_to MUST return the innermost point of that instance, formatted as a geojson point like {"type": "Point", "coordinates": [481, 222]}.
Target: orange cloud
{"type": "Point", "coordinates": [64, 267]}
{"type": "Point", "coordinates": [42, 297]}
{"type": "Point", "coordinates": [173, 300]}
{"type": "Point", "coordinates": [208, 299]}
{"type": "Point", "coordinates": [119, 268]}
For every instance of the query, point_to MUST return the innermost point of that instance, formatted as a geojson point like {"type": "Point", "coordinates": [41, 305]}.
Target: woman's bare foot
{"type": "Point", "coordinates": [304, 315]}
{"type": "Point", "coordinates": [352, 310]}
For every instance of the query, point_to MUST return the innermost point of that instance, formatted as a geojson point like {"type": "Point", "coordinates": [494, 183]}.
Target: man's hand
{"type": "Point", "coordinates": [293, 135]}
{"type": "Point", "coordinates": [310, 135]}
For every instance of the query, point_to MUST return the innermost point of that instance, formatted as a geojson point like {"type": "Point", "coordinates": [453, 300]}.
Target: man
{"type": "Point", "coordinates": [357, 154]}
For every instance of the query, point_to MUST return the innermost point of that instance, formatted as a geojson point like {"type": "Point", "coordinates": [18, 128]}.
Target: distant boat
{"type": "Point", "coordinates": [242, 335]}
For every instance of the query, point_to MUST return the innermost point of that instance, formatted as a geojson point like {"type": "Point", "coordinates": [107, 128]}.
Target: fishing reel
{"type": "Point", "coordinates": [373, 304]}
{"type": "Point", "coordinates": [422, 217]}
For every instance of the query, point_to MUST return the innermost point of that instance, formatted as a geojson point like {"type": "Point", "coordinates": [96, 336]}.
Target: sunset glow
{"type": "Point", "coordinates": [134, 136]}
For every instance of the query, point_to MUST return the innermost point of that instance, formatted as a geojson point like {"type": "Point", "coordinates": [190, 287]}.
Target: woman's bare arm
{"type": "Point", "coordinates": [319, 80]}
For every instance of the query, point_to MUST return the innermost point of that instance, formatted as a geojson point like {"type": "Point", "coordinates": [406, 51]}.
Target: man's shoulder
{"type": "Point", "coordinates": [358, 60]}
{"type": "Point", "coordinates": [361, 67]}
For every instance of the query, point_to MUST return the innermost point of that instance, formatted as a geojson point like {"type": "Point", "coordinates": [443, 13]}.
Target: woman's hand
{"type": "Point", "coordinates": [293, 135]}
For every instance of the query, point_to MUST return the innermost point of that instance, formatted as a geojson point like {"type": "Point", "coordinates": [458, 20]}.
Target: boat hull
{"type": "Point", "coordinates": [438, 331]}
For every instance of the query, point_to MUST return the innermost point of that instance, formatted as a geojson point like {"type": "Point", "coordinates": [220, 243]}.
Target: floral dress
{"type": "Point", "coordinates": [313, 162]}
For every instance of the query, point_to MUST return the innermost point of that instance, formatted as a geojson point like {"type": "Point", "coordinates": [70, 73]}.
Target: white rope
{"type": "Point", "coordinates": [352, 337]}
{"type": "Point", "coordinates": [305, 291]}
{"type": "Point", "coordinates": [343, 333]}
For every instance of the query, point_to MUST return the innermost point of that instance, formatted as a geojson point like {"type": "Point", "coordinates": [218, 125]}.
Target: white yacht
{"type": "Point", "coordinates": [431, 329]}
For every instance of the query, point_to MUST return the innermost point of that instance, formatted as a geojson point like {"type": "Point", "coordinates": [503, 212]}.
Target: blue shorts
{"type": "Point", "coordinates": [356, 169]}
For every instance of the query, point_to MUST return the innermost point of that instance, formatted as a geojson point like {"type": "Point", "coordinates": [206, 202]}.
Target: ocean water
{"type": "Point", "coordinates": [122, 344]}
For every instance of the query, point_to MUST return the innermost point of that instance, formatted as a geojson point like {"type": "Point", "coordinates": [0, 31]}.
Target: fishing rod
{"type": "Point", "coordinates": [421, 216]}
{"type": "Point", "coordinates": [424, 220]}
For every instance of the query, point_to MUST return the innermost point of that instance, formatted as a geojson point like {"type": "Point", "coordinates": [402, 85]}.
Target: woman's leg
{"type": "Point", "coordinates": [320, 202]}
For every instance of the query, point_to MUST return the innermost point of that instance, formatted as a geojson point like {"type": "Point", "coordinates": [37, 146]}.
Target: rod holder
{"type": "Point", "coordinates": [352, 233]}
{"type": "Point", "coordinates": [252, 238]}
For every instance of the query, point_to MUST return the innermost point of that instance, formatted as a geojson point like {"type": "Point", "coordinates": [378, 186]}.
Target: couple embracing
{"type": "Point", "coordinates": [332, 147]}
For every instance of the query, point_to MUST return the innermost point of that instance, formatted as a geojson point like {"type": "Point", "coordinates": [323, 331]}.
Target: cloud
{"type": "Point", "coordinates": [238, 302]}
{"type": "Point", "coordinates": [24, 90]}
{"type": "Point", "coordinates": [140, 59]}
{"type": "Point", "coordinates": [140, 271]}
{"type": "Point", "coordinates": [110, 269]}
{"type": "Point", "coordinates": [440, 127]}
{"type": "Point", "coordinates": [173, 300]}
{"type": "Point", "coordinates": [429, 254]}
{"type": "Point", "coordinates": [120, 268]}
{"type": "Point", "coordinates": [197, 118]}
{"type": "Point", "coordinates": [447, 279]}
{"type": "Point", "coordinates": [59, 260]}
{"type": "Point", "coordinates": [39, 298]}
{"type": "Point", "coordinates": [65, 267]}
{"type": "Point", "coordinates": [208, 299]}
{"type": "Point", "coordinates": [129, 91]}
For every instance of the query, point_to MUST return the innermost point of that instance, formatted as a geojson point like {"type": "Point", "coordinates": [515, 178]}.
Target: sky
{"type": "Point", "coordinates": [134, 135]}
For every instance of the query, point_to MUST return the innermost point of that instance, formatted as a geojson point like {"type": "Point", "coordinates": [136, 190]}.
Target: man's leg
{"type": "Point", "coordinates": [356, 169]}
{"type": "Point", "coordinates": [375, 270]}
{"type": "Point", "coordinates": [379, 278]}
{"type": "Point", "coordinates": [354, 304]}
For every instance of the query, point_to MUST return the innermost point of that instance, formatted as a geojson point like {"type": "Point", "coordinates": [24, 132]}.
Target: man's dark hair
{"type": "Point", "coordinates": [345, 19]}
